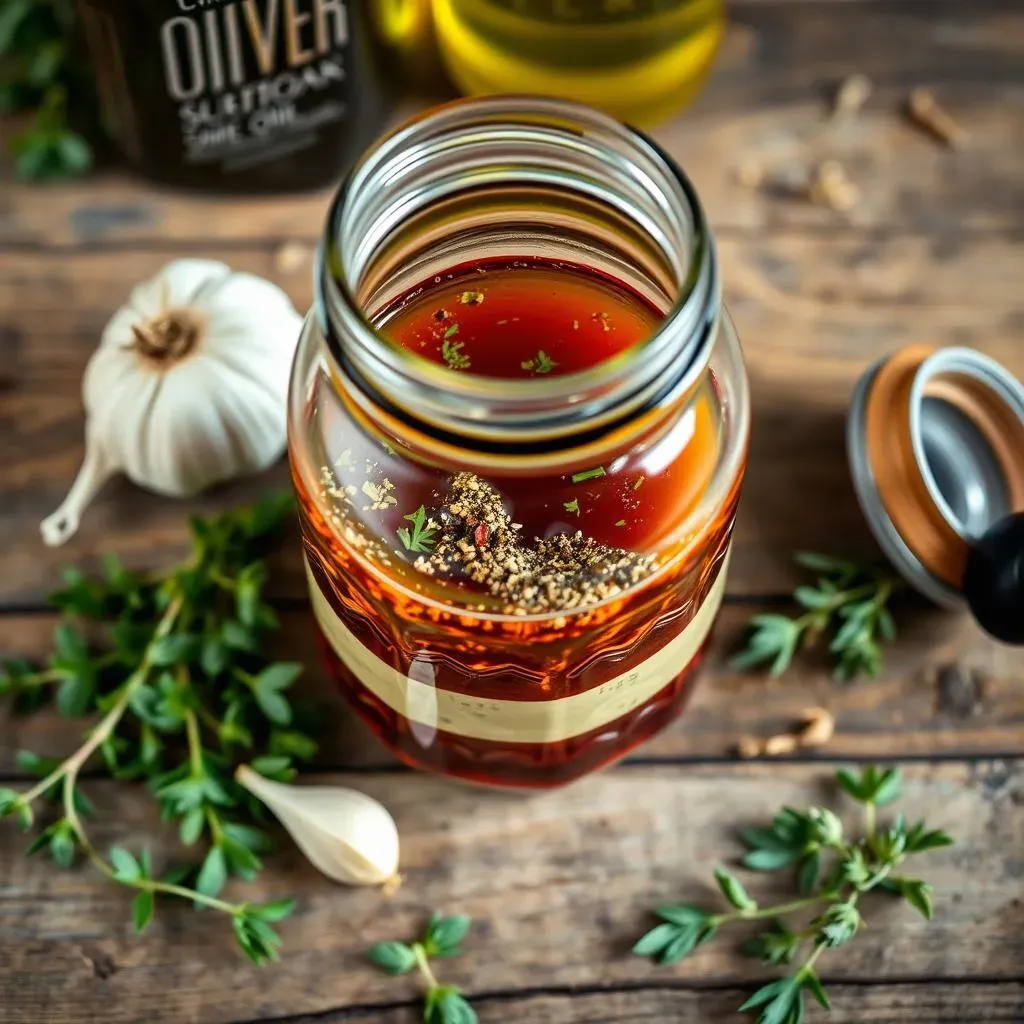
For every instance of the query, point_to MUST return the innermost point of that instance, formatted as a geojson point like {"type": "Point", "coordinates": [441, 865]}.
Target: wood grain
{"type": "Point", "coordinates": [767, 101]}
{"type": "Point", "coordinates": [813, 313]}
{"type": "Point", "coordinates": [551, 914]}
{"type": "Point", "coordinates": [945, 690]}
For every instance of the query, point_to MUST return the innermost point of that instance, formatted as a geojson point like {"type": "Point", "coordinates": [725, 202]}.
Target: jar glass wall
{"type": "Point", "coordinates": [518, 425]}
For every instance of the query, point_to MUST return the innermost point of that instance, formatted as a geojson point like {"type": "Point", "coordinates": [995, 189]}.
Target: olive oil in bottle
{"type": "Point", "coordinates": [641, 60]}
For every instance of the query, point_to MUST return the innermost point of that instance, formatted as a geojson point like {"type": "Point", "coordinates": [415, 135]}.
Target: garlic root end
{"type": "Point", "coordinates": [61, 526]}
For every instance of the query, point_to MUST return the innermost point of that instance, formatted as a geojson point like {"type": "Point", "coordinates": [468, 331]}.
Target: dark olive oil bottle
{"type": "Point", "coordinates": [238, 95]}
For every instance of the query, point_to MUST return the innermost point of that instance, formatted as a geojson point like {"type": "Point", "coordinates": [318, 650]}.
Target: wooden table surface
{"type": "Point", "coordinates": [558, 885]}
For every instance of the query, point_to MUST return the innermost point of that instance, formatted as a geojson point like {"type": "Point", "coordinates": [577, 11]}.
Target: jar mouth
{"type": "Point", "coordinates": [472, 148]}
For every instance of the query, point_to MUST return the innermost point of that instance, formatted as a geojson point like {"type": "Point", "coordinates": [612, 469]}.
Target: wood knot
{"type": "Point", "coordinates": [102, 966]}
{"type": "Point", "coordinates": [959, 691]}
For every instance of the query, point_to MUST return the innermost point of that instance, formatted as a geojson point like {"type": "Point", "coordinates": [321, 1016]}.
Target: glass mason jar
{"type": "Point", "coordinates": [518, 426]}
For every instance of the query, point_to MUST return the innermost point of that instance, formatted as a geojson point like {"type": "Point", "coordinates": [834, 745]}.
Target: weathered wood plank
{"type": "Point", "coordinates": [766, 101]}
{"type": "Point", "coordinates": [945, 690]}
{"type": "Point", "coordinates": [812, 312]}
{"type": "Point", "coordinates": [931, 1003]}
{"type": "Point", "coordinates": [558, 885]}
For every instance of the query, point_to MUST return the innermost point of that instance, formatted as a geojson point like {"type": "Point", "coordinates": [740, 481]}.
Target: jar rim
{"type": "Point", "coordinates": [495, 415]}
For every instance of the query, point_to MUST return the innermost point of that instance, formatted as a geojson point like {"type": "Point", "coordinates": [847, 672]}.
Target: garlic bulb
{"type": "Point", "coordinates": [188, 386]}
{"type": "Point", "coordinates": [346, 834]}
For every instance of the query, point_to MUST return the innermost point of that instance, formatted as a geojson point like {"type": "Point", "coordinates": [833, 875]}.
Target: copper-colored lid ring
{"type": "Point", "coordinates": [897, 470]}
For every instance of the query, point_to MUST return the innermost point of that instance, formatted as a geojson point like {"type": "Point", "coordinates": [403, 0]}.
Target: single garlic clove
{"type": "Point", "coordinates": [346, 834]}
{"type": "Point", "coordinates": [96, 470]}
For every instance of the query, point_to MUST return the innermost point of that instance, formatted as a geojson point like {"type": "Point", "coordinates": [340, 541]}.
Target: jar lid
{"type": "Point", "coordinates": [936, 446]}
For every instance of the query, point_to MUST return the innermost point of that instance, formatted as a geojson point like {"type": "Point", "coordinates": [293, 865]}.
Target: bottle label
{"type": "Point", "coordinates": [415, 696]}
{"type": "Point", "coordinates": [226, 85]}
{"type": "Point", "coordinates": [251, 82]}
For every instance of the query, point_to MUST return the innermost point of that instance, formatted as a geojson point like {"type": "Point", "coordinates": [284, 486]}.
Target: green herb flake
{"type": "Point", "coordinates": [450, 332]}
{"type": "Point", "coordinates": [621, 522]}
{"type": "Point", "coordinates": [588, 474]}
{"type": "Point", "coordinates": [452, 354]}
{"type": "Point", "coordinates": [639, 482]}
{"type": "Point", "coordinates": [572, 506]}
{"type": "Point", "coordinates": [540, 363]}
{"type": "Point", "coordinates": [471, 298]}
{"type": "Point", "coordinates": [421, 537]}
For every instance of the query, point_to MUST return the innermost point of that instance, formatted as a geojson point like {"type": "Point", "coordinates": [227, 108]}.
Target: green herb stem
{"type": "Point", "coordinates": [869, 819]}
{"type": "Point", "coordinates": [108, 723]}
{"type": "Point", "coordinates": [195, 744]}
{"type": "Point", "coordinates": [424, 965]}
{"type": "Point", "coordinates": [762, 912]}
{"type": "Point", "coordinates": [808, 965]}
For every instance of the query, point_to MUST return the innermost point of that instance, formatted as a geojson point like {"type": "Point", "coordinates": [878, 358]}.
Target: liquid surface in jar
{"type": "Point", "coordinates": [528, 319]}
{"type": "Point", "coordinates": [520, 319]}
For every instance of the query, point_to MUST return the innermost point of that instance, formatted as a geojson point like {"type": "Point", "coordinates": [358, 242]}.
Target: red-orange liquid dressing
{"type": "Point", "coordinates": [516, 320]}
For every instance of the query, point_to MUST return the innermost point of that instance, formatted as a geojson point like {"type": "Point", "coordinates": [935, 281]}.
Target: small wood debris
{"type": "Point", "coordinates": [851, 95]}
{"type": "Point", "coordinates": [784, 743]}
{"type": "Point", "coordinates": [291, 257]}
{"type": "Point", "coordinates": [924, 110]}
{"type": "Point", "coordinates": [817, 727]}
{"type": "Point", "coordinates": [832, 188]}
{"type": "Point", "coordinates": [750, 173]}
{"type": "Point", "coordinates": [749, 746]}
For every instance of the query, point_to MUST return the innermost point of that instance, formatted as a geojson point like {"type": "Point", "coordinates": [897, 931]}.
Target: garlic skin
{"type": "Point", "coordinates": [187, 388]}
{"type": "Point", "coordinates": [346, 834]}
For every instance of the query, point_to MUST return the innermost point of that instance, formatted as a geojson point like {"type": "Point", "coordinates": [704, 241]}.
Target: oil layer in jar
{"type": "Point", "coordinates": [384, 529]}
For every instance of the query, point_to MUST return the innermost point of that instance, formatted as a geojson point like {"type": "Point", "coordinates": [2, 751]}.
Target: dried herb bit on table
{"type": "Point", "coordinates": [185, 691]}
{"type": "Point", "coordinates": [833, 872]}
{"type": "Point", "coordinates": [444, 1004]}
{"type": "Point", "coordinates": [477, 539]}
{"type": "Point", "coordinates": [849, 598]}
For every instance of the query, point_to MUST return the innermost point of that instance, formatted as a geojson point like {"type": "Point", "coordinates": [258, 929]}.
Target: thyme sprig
{"type": "Point", "coordinates": [802, 839]}
{"type": "Point", "coordinates": [443, 1004]}
{"type": "Point", "coordinates": [184, 690]}
{"type": "Point", "coordinates": [851, 599]}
